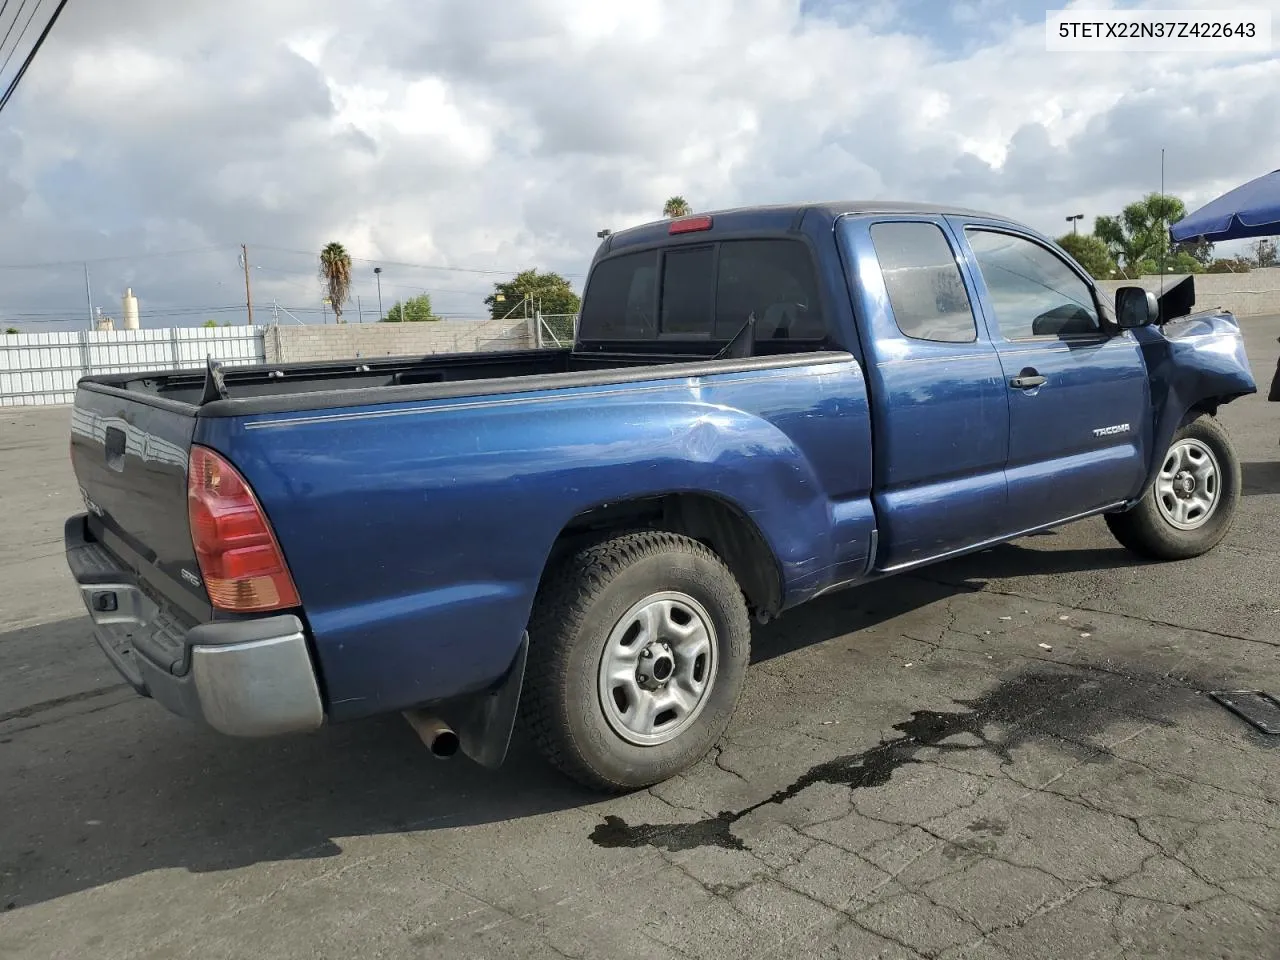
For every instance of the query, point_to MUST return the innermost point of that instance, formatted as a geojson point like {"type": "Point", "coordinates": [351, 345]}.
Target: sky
{"type": "Point", "coordinates": [455, 142]}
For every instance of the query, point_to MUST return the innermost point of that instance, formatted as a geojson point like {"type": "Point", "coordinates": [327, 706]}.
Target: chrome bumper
{"type": "Point", "coordinates": [245, 678]}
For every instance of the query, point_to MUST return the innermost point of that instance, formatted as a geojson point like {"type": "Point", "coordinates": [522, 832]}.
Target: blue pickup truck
{"type": "Point", "coordinates": [761, 406]}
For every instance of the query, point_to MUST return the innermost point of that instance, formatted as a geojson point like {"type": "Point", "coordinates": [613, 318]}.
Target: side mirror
{"type": "Point", "coordinates": [1135, 307]}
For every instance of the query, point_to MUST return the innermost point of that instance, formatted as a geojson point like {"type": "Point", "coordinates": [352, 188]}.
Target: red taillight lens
{"type": "Point", "coordinates": [240, 560]}
{"type": "Point", "coordinates": [689, 225]}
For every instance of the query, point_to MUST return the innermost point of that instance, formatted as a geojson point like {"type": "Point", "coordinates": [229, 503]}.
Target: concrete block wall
{"type": "Point", "coordinates": [348, 341]}
{"type": "Point", "coordinates": [1252, 294]}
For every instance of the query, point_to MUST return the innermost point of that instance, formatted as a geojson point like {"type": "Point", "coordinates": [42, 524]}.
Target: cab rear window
{"type": "Point", "coordinates": [705, 291]}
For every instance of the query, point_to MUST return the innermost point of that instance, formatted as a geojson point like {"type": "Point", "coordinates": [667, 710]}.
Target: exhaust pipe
{"type": "Point", "coordinates": [434, 732]}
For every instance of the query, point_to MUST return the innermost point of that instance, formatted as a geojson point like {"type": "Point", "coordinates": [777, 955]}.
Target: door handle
{"type": "Point", "coordinates": [1027, 381]}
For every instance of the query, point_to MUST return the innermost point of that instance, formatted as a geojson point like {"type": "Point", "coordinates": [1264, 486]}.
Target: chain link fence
{"type": "Point", "coordinates": [557, 329]}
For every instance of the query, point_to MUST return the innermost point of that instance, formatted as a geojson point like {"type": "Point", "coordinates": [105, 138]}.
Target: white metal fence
{"type": "Point", "coordinates": [42, 368]}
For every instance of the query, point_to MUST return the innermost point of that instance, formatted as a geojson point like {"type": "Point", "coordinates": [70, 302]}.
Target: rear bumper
{"type": "Point", "coordinates": [245, 678]}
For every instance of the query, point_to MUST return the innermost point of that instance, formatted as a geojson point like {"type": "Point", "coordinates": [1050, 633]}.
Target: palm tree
{"type": "Point", "coordinates": [335, 271]}
{"type": "Point", "coordinates": [676, 207]}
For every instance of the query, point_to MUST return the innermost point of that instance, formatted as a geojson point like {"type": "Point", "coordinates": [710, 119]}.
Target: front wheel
{"type": "Point", "coordinates": [638, 654]}
{"type": "Point", "coordinates": [1191, 505]}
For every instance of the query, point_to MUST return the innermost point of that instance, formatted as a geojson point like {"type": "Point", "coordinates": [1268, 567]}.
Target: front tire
{"type": "Point", "coordinates": [1192, 503]}
{"type": "Point", "coordinates": [638, 654]}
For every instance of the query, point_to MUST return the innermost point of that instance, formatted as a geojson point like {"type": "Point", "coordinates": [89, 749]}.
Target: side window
{"type": "Point", "coordinates": [621, 299]}
{"type": "Point", "coordinates": [686, 291]}
{"type": "Point", "coordinates": [926, 290]}
{"type": "Point", "coordinates": [1033, 291]}
{"type": "Point", "coordinates": [774, 280]}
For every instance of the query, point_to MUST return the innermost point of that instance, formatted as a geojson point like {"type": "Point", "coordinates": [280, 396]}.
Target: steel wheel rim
{"type": "Point", "coordinates": [647, 709]}
{"type": "Point", "coordinates": [1189, 486]}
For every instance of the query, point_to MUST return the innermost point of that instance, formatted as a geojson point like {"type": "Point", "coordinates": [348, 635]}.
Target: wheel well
{"type": "Point", "coordinates": [707, 519]}
{"type": "Point", "coordinates": [1207, 405]}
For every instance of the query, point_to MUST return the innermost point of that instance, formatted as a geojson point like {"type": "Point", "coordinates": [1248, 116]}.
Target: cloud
{"type": "Point", "coordinates": [501, 134]}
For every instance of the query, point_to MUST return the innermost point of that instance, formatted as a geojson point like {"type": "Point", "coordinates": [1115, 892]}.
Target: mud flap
{"type": "Point", "coordinates": [484, 723]}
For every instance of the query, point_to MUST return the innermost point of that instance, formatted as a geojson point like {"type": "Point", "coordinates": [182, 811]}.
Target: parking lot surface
{"type": "Point", "coordinates": [1009, 755]}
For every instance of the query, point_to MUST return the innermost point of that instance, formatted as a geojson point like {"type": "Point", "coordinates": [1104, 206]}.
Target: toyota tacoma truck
{"type": "Point", "coordinates": [760, 406]}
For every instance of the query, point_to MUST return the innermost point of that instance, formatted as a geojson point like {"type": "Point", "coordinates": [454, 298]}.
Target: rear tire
{"type": "Point", "coordinates": [638, 653]}
{"type": "Point", "coordinates": [1192, 503]}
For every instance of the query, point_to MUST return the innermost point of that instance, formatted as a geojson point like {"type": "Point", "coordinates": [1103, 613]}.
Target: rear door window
{"type": "Point", "coordinates": [923, 281]}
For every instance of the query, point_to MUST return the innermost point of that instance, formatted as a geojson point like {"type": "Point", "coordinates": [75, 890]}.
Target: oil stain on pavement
{"type": "Point", "coordinates": [1067, 708]}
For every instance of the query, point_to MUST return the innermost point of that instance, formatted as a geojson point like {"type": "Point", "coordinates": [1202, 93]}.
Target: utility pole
{"type": "Point", "coordinates": [88, 295]}
{"type": "Point", "coordinates": [248, 296]}
{"type": "Point", "coordinates": [359, 309]}
{"type": "Point", "coordinates": [377, 272]}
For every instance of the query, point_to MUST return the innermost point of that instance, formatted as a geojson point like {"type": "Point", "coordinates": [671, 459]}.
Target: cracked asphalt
{"type": "Point", "coordinates": [1006, 756]}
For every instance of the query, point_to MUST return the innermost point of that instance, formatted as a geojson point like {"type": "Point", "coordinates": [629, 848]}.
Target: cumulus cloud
{"type": "Point", "coordinates": [500, 134]}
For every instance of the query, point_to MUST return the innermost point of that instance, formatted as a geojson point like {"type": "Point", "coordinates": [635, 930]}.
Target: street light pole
{"type": "Point", "coordinates": [88, 294]}
{"type": "Point", "coordinates": [1073, 220]}
{"type": "Point", "coordinates": [377, 272]}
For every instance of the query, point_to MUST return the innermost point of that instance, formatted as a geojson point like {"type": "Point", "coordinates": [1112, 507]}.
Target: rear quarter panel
{"type": "Point", "coordinates": [417, 533]}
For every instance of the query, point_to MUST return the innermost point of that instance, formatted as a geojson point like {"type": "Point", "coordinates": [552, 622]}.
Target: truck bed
{"type": "Point", "coordinates": [272, 388]}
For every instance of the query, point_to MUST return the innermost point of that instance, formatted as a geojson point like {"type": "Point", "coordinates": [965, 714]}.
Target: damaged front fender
{"type": "Point", "coordinates": [1194, 363]}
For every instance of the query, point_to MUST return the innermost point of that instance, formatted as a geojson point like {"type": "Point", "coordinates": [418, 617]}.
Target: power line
{"type": "Point", "coordinates": [157, 312]}
{"type": "Point", "coordinates": [417, 288]}
{"type": "Point", "coordinates": [12, 23]}
{"type": "Point", "coordinates": [18, 41]}
{"type": "Point", "coordinates": [44, 34]}
{"type": "Point", "coordinates": [136, 256]}
{"type": "Point", "coordinates": [415, 266]}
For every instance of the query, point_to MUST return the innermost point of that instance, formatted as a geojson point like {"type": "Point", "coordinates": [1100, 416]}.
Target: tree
{"type": "Point", "coordinates": [11, 330]}
{"type": "Point", "coordinates": [1265, 253]}
{"type": "Point", "coordinates": [548, 292]}
{"type": "Point", "coordinates": [676, 206]}
{"type": "Point", "coordinates": [1139, 237]}
{"type": "Point", "coordinates": [1091, 253]}
{"type": "Point", "coordinates": [335, 271]}
{"type": "Point", "coordinates": [1200, 249]}
{"type": "Point", "coordinates": [1182, 262]}
{"type": "Point", "coordinates": [209, 323]}
{"type": "Point", "coordinates": [1230, 265]}
{"type": "Point", "coordinates": [414, 310]}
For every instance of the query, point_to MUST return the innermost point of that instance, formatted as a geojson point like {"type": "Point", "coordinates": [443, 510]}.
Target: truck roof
{"type": "Point", "coordinates": [783, 216]}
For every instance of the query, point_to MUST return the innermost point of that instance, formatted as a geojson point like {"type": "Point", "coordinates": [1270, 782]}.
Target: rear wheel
{"type": "Point", "coordinates": [1191, 505]}
{"type": "Point", "coordinates": [638, 653]}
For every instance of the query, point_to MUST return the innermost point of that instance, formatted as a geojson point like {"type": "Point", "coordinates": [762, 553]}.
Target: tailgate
{"type": "Point", "coordinates": [130, 460]}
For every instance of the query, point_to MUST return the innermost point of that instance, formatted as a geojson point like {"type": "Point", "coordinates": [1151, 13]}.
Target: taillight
{"type": "Point", "coordinates": [240, 560]}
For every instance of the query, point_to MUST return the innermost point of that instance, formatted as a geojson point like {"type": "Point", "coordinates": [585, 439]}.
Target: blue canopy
{"type": "Point", "coordinates": [1252, 210]}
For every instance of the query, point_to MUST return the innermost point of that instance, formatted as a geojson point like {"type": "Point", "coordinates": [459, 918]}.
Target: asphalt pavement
{"type": "Point", "coordinates": [1009, 755]}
